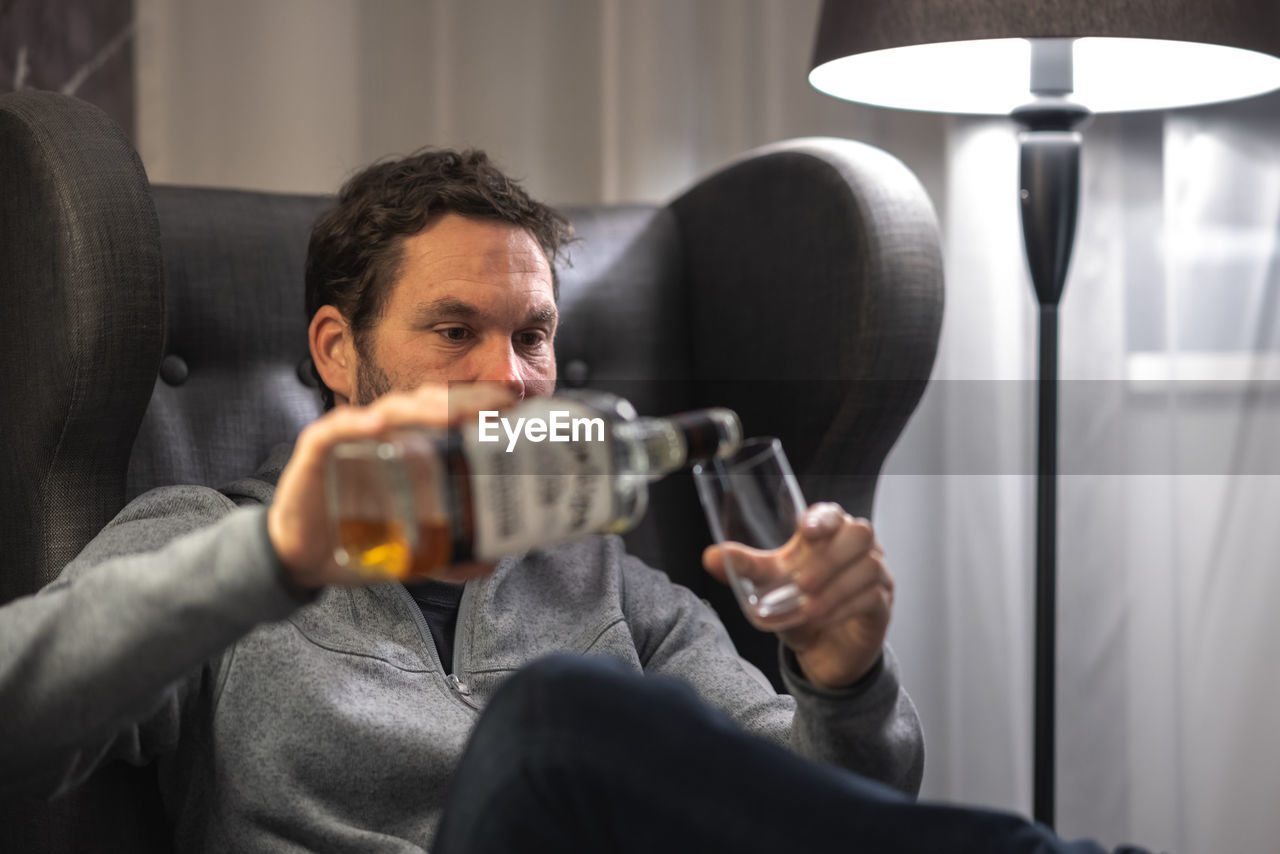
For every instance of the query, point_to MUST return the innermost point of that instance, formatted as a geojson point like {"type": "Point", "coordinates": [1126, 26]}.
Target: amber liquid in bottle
{"type": "Point", "coordinates": [381, 547]}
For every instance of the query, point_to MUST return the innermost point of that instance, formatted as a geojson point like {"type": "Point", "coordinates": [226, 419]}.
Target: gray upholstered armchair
{"type": "Point", "coordinates": [156, 335]}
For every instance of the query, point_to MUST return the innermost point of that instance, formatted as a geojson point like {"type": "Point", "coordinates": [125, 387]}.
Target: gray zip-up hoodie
{"type": "Point", "coordinates": [330, 725]}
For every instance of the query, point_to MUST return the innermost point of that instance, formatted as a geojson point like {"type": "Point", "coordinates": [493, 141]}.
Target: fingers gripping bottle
{"type": "Point", "coordinates": [548, 470]}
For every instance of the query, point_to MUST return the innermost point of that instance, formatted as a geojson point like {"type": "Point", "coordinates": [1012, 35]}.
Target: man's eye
{"type": "Point", "coordinates": [532, 339]}
{"type": "Point", "coordinates": [454, 333]}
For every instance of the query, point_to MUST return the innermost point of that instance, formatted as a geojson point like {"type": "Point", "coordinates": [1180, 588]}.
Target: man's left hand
{"type": "Point", "coordinates": [839, 567]}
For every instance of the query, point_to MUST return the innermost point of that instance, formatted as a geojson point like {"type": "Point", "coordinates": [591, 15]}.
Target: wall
{"type": "Point", "coordinates": [77, 47]}
{"type": "Point", "coordinates": [588, 100]}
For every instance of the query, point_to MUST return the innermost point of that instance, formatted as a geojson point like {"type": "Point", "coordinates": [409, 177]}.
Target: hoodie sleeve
{"type": "Point", "coordinates": [870, 728]}
{"type": "Point", "coordinates": [97, 665]}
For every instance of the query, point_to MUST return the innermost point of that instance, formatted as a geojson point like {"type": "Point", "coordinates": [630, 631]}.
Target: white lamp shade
{"type": "Point", "coordinates": [973, 56]}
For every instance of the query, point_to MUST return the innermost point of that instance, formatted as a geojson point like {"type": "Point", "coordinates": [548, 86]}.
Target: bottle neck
{"type": "Point", "coordinates": [672, 443]}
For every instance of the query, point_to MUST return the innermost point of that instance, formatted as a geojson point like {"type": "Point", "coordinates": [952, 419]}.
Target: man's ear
{"type": "Point", "coordinates": [333, 350]}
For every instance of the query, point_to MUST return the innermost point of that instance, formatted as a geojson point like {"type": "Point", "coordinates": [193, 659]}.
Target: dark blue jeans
{"type": "Point", "coordinates": [577, 755]}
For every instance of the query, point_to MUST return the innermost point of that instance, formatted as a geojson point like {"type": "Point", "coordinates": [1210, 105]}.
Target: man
{"type": "Point", "coordinates": [291, 705]}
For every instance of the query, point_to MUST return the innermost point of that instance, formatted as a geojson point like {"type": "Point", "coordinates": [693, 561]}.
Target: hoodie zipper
{"type": "Point", "coordinates": [458, 688]}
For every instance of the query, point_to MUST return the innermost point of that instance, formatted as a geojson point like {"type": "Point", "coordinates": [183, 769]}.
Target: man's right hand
{"type": "Point", "coordinates": [297, 521]}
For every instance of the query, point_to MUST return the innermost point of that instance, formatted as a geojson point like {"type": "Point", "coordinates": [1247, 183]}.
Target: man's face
{"type": "Point", "coordinates": [472, 302]}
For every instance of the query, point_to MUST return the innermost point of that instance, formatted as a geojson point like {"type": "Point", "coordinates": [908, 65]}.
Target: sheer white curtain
{"type": "Point", "coordinates": [1168, 498]}
{"type": "Point", "coordinates": [1222, 322]}
{"type": "Point", "coordinates": [1170, 486]}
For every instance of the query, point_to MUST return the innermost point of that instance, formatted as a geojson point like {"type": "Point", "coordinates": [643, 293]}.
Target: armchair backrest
{"type": "Point", "coordinates": [801, 286]}
{"type": "Point", "coordinates": [233, 377]}
{"type": "Point", "coordinates": [82, 291]}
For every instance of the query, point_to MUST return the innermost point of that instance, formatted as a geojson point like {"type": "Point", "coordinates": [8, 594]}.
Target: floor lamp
{"type": "Point", "coordinates": [1048, 65]}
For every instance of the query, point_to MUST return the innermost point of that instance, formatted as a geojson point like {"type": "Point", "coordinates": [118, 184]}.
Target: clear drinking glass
{"type": "Point", "coordinates": [753, 498]}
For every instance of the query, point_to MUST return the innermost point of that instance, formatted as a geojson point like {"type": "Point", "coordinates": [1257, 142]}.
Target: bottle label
{"type": "Point", "coordinates": [540, 473]}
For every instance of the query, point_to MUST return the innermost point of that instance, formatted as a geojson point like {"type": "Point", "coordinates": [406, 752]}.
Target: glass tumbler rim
{"type": "Point", "coordinates": [750, 453]}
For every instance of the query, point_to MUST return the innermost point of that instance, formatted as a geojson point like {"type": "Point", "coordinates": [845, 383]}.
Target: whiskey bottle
{"type": "Point", "coordinates": [548, 470]}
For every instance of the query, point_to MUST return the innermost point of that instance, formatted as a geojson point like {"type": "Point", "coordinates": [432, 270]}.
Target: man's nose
{"type": "Point", "coordinates": [501, 364]}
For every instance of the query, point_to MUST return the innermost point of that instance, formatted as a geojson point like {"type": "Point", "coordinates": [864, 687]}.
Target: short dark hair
{"type": "Point", "coordinates": [355, 248]}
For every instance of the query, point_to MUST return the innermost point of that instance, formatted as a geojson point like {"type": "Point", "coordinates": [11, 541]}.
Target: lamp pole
{"type": "Point", "coordinates": [1049, 178]}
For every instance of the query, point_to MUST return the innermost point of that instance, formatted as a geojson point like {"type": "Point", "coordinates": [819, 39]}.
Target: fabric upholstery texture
{"type": "Point", "coordinates": [800, 286]}
{"type": "Point", "coordinates": [81, 279]}
{"type": "Point", "coordinates": [82, 289]}
{"type": "Point", "coordinates": [233, 381]}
